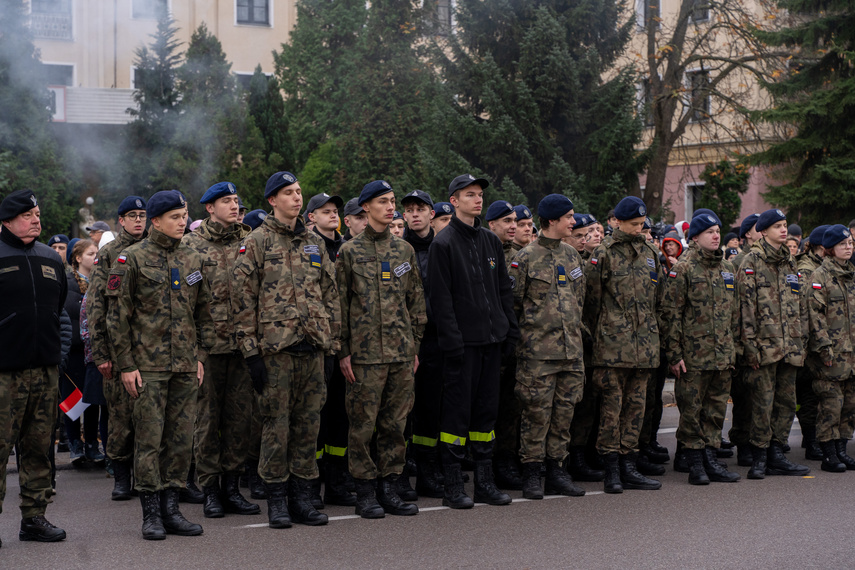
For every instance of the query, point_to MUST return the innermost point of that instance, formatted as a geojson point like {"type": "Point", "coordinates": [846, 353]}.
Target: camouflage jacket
{"type": "Point", "coordinates": [382, 300]}
{"type": "Point", "coordinates": [743, 251]}
{"type": "Point", "coordinates": [510, 252]}
{"type": "Point", "coordinates": [622, 302]}
{"type": "Point", "coordinates": [96, 305]}
{"type": "Point", "coordinates": [218, 247]}
{"type": "Point", "coordinates": [549, 295]}
{"type": "Point", "coordinates": [807, 262]}
{"type": "Point", "coordinates": [770, 306]}
{"type": "Point", "coordinates": [700, 313]}
{"type": "Point", "coordinates": [286, 292]}
{"type": "Point", "coordinates": [158, 315]}
{"type": "Point", "coordinates": [832, 309]}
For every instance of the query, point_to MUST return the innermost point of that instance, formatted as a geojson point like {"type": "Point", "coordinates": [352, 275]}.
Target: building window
{"type": "Point", "coordinates": [51, 19]}
{"type": "Point", "coordinates": [443, 17]}
{"type": "Point", "coordinates": [153, 9]}
{"type": "Point", "coordinates": [58, 74]}
{"type": "Point", "coordinates": [699, 92]}
{"type": "Point", "coordinates": [253, 12]}
{"type": "Point", "coordinates": [244, 79]}
{"type": "Point", "coordinates": [694, 194]}
{"type": "Point", "coordinates": [700, 11]}
{"type": "Point", "coordinates": [645, 102]}
{"type": "Point", "coordinates": [645, 11]}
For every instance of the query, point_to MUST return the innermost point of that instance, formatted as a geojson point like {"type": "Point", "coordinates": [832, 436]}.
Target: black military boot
{"type": "Point", "coordinates": [681, 462]}
{"type": "Point", "coordinates": [697, 474]}
{"type": "Point", "coordinates": [656, 452]}
{"type": "Point", "coordinates": [630, 477]}
{"type": "Point", "coordinates": [389, 497]}
{"type": "Point", "coordinates": [191, 493]}
{"type": "Point", "coordinates": [173, 521]}
{"type": "Point", "coordinates": [506, 472]}
{"type": "Point", "coordinates": [212, 508]}
{"type": "Point", "coordinates": [559, 482]}
{"type": "Point", "coordinates": [455, 496]}
{"type": "Point", "coordinates": [611, 482]}
{"type": "Point", "coordinates": [845, 459]}
{"type": "Point", "coordinates": [315, 494]}
{"type": "Point", "coordinates": [121, 481]}
{"type": "Point", "coordinates": [717, 472]}
{"type": "Point", "coordinates": [152, 526]}
{"type": "Point", "coordinates": [485, 488]}
{"type": "Point", "coordinates": [758, 462]}
{"type": "Point", "coordinates": [812, 448]}
{"type": "Point", "coordinates": [404, 489]}
{"type": "Point", "coordinates": [232, 501]}
{"type": "Point", "coordinates": [646, 467]}
{"type": "Point", "coordinates": [38, 528]}
{"type": "Point", "coordinates": [579, 469]}
{"type": "Point", "coordinates": [723, 452]}
{"type": "Point", "coordinates": [830, 461]}
{"type": "Point", "coordinates": [277, 506]}
{"type": "Point", "coordinates": [428, 482]}
{"type": "Point", "coordinates": [335, 484]}
{"type": "Point", "coordinates": [366, 500]}
{"type": "Point", "coordinates": [532, 489]}
{"type": "Point", "coordinates": [744, 455]}
{"type": "Point", "coordinates": [300, 505]}
{"type": "Point", "coordinates": [257, 489]}
{"type": "Point", "coordinates": [778, 464]}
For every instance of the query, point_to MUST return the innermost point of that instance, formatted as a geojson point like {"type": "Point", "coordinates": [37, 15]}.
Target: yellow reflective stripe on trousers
{"type": "Point", "coordinates": [481, 436]}
{"type": "Point", "coordinates": [425, 441]}
{"type": "Point", "coordinates": [319, 454]}
{"type": "Point", "coordinates": [451, 439]}
{"type": "Point", "coordinates": [335, 451]}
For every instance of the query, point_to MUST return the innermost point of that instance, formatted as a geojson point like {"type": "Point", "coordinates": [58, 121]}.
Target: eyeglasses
{"type": "Point", "coordinates": [134, 216]}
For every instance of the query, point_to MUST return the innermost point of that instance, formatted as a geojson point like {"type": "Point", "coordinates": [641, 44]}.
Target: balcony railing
{"type": "Point", "coordinates": [48, 26]}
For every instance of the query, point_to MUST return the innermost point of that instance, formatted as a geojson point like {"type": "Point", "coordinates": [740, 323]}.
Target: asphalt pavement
{"type": "Point", "coordinates": [780, 522]}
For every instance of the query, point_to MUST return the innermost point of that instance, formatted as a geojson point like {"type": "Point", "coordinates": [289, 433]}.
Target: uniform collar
{"type": "Point", "coordinates": [162, 240]}
{"type": "Point", "coordinates": [471, 231]}
{"type": "Point", "coordinates": [13, 240]}
{"type": "Point", "coordinates": [548, 243]}
{"type": "Point", "coordinates": [281, 228]}
{"type": "Point", "coordinates": [374, 235]}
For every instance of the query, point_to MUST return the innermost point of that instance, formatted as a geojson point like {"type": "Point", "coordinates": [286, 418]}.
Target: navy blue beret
{"type": "Point", "coordinates": [374, 189]}
{"type": "Point", "coordinates": [165, 201]}
{"type": "Point", "coordinates": [554, 206]}
{"type": "Point", "coordinates": [218, 190]}
{"type": "Point", "coordinates": [583, 221]}
{"type": "Point", "coordinates": [240, 205]}
{"type": "Point", "coordinates": [629, 208]}
{"type": "Point", "coordinates": [748, 223]}
{"type": "Point", "coordinates": [17, 203]}
{"type": "Point", "coordinates": [70, 249]}
{"type": "Point", "coordinates": [815, 237]}
{"type": "Point", "coordinates": [499, 209]}
{"type": "Point", "coordinates": [58, 238]}
{"type": "Point", "coordinates": [769, 218]}
{"type": "Point", "coordinates": [418, 195]}
{"type": "Point", "coordinates": [443, 209]}
{"type": "Point", "coordinates": [277, 181]}
{"type": "Point", "coordinates": [700, 211]}
{"type": "Point", "coordinates": [522, 212]}
{"type": "Point", "coordinates": [131, 203]}
{"type": "Point", "coordinates": [794, 230]}
{"type": "Point", "coordinates": [254, 218]}
{"type": "Point", "coordinates": [702, 223]}
{"type": "Point", "coordinates": [834, 235]}
{"type": "Point", "coordinates": [465, 180]}
{"type": "Point", "coordinates": [648, 224]}
{"type": "Point", "coordinates": [397, 216]}
{"type": "Point", "coordinates": [352, 208]}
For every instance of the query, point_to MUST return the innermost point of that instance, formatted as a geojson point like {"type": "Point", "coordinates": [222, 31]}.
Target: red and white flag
{"type": "Point", "coordinates": [73, 406]}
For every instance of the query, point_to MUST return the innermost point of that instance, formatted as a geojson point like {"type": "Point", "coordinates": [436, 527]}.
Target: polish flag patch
{"type": "Point", "coordinates": [749, 271]}
{"type": "Point", "coordinates": [122, 258]}
{"type": "Point", "coordinates": [242, 249]}
{"type": "Point", "coordinates": [514, 264]}
{"type": "Point", "coordinates": [817, 285]}
{"type": "Point", "coordinates": [593, 261]}
{"type": "Point", "coordinates": [672, 274]}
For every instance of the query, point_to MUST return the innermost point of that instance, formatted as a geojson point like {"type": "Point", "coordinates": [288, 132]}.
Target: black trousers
{"type": "Point", "coordinates": [428, 396]}
{"type": "Point", "coordinates": [332, 437]}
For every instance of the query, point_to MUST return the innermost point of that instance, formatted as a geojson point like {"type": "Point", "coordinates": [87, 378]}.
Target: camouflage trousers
{"type": "Point", "coordinates": [120, 421]}
{"type": "Point", "coordinates": [164, 415]}
{"type": "Point", "coordinates": [585, 413]}
{"type": "Point", "coordinates": [290, 408]}
{"type": "Point", "coordinates": [547, 391]}
{"type": "Point", "coordinates": [508, 420]}
{"type": "Point", "coordinates": [253, 452]}
{"type": "Point", "coordinates": [624, 391]}
{"type": "Point", "coordinates": [28, 411]}
{"type": "Point", "coordinates": [835, 408]}
{"type": "Point", "coordinates": [381, 398]}
{"type": "Point", "coordinates": [773, 402]}
{"type": "Point", "coordinates": [702, 400]}
{"type": "Point", "coordinates": [741, 409]}
{"type": "Point", "coordinates": [222, 418]}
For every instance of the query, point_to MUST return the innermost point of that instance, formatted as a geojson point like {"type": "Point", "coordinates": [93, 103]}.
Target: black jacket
{"type": "Point", "coordinates": [72, 306]}
{"type": "Point", "coordinates": [470, 290]}
{"type": "Point", "coordinates": [32, 293]}
{"type": "Point", "coordinates": [333, 245]}
{"type": "Point", "coordinates": [421, 246]}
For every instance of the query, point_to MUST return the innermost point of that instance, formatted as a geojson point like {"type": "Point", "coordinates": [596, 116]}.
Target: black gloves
{"type": "Point", "coordinates": [258, 372]}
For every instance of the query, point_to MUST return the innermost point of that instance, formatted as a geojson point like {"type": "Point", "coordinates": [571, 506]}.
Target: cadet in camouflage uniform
{"type": "Point", "coordinates": [286, 319]}
{"type": "Point", "coordinates": [772, 344]}
{"type": "Point", "coordinates": [701, 318]}
{"type": "Point", "coordinates": [806, 401]}
{"type": "Point", "coordinates": [621, 311]}
{"type": "Point", "coordinates": [120, 428]}
{"type": "Point", "coordinates": [225, 399]}
{"type": "Point", "coordinates": [549, 294]}
{"type": "Point", "coordinates": [831, 293]}
{"type": "Point", "coordinates": [525, 227]}
{"type": "Point", "coordinates": [159, 323]}
{"type": "Point", "coordinates": [383, 319]}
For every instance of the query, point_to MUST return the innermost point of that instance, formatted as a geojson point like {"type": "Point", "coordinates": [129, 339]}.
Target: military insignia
{"type": "Point", "coordinates": [642, 211]}
{"type": "Point", "coordinates": [508, 206]}
{"type": "Point", "coordinates": [749, 271]}
{"type": "Point", "coordinates": [513, 282]}
{"type": "Point", "coordinates": [593, 261]}
{"type": "Point", "coordinates": [492, 262]}
{"type": "Point", "coordinates": [562, 277]}
{"type": "Point", "coordinates": [793, 280]}
{"type": "Point", "coordinates": [122, 258]}
{"type": "Point", "coordinates": [139, 204]}
{"type": "Point", "coordinates": [415, 193]}
{"type": "Point", "coordinates": [446, 208]}
{"type": "Point", "coordinates": [402, 269]}
{"type": "Point", "coordinates": [33, 200]}
{"type": "Point", "coordinates": [96, 261]}
{"type": "Point", "coordinates": [471, 177]}
{"type": "Point", "coordinates": [311, 249]}
{"type": "Point", "coordinates": [672, 273]}
{"type": "Point", "coordinates": [817, 285]}
{"type": "Point", "coordinates": [576, 273]}
{"type": "Point", "coordinates": [728, 280]}
{"type": "Point", "coordinates": [654, 277]}
{"type": "Point", "coordinates": [175, 278]}
{"type": "Point", "coordinates": [651, 263]}
{"type": "Point", "coordinates": [242, 249]}
{"type": "Point", "coordinates": [315, 260]}
{"type": "Point", "coordinates": [526, 212]}
{"type": "Point", "coordinates": [114, 282]}
{"type": "Point", "coordinates": [194, 278]}
{"type": "Point", "coordinates": [181, 200]}
{"type": "Point", "coordinates": [386, 185]}
{"type": "Point", "coordinates": [49, 272]}
{"type": "Point", "coordinates": [710, 219]}
{"type": "Point", "coordinates": [515, 264]}
{"type": "Point", "coordinates": [780, 213]}
{"type": "Point", "coordinates": [385, 271]}
{"type": "Point", "coordinates": [231, 188]}
{"type": "Point", "coordinates": [288, 178]}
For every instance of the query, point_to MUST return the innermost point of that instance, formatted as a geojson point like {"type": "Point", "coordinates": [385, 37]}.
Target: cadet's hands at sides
{"type": "Point", "coordinates": [416, 364]}
{"type": "Point", "coordinates": [676, 369]}
{"type": "Point", "coordinates": [132, 380]}
{"type": "Point", "coordinates": [200, 372]}
{"type": "Point", "coordinates": [347, 369]}
{"type": "Point", "coordinates": [106, 370]}
{"type": "Point", "coordinates": [257, 372]}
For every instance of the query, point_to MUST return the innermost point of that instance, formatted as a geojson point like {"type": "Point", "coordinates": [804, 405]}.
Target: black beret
{"type": "Point", "coordinates": [554, 206]}
{"type": "Point", "coordinates": [523, 213]}
{"type": "Point", "coordinates": [499, 209]}
{"type": "Point", "coordinates": [583, 221]}
{"type": "Point", "coordinates": [748, 223]}
{"type": "Point", "coordinates": [254, 218]}
{"type": "Point", "coordinates": [629, 208]}
{"type": "Point", "coordinates": [769, 218]}
{"type": "Point", "coordinates": [815, 237]}
{"type": "Point", "coordinates": [374, 189]}
{"type": "Point", "coordinates": [702, 223]}
{"type": "Point", "coordinates": [443, 209]}
{"type": "Point", "coordinates": [58, 238]}
{"type": "Point", "coordinates": [17, 203]}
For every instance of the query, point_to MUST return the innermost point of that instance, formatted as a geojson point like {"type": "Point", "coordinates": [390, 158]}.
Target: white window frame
{"type": "Point", "coordinates": [73, 67]}
{"type": "Point", "coordinates": [688, 100]}
{"type": "Point", "coordinates": [709, 12]}
{"type": "Point", "coordinates": [131, 8]}
{"type": "Point", "coordinates": [641, 7]}
{"type": "Point", "coordinates": [270, 13]}
{"type": "Point", "coordinates": [689, 198]}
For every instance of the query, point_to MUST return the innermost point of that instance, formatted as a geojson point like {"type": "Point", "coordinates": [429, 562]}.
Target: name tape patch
{"type": "Point", "coordinates": [576, 273]}
{"type": "Point", "coordinates": [311, 249]}
{"type": "Point", "coordinates": [194, 278]}
{"type": "Point", "coordinates": [402, 269]}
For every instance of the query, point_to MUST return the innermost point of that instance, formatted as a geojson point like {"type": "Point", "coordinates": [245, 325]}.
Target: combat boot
{"type": "Point", "coordinates": [656, 452]}
{"type": "Point", "coordinates": [121, 481]}
{"type": "Point", "coordinates": [717, 472]}
{"type": "Point", "coordinates": [611, 482]}
{"type": "Point", "coordinates": [485, 488]}
{"type": "Point", "coordinates": [300, 505]}
{"type": "Point", "coordinates": [758, 462]}
{"type": "Point", "coordinates": [38, 528]}
{"type": "Point", "coordinates": [335, 485]}
{"type": "Point", "coordinates": [697, 474]}
{"type": "Point", "coordinates": [173, 521]}
{"type": "Point", "coordinates": [630, 477]}
{"type": "Point", "coordinates": [845, 459]}
{"type": "Point", "coordinates": [428, 482]}
{"type": "Point", "coordinates": [778, 464]}
{"type": "Point", "coordinates": [812, 448]}
{"type": "Point", "coordinates": [830, 461]}
{"type": "Point", "coordinates": [389, 497]}
{"type": "Point", "coordinates": [744, 455]}
{"type": "Point", "coordinates": [257, 490]}
{"type": "Point", "coordinates": [559, 482]}
{"type": "Point", "coordinates": [532, 489]}
{"type": "Point", "coordinates": [723, 453]}
{"type": "Point", "coordinates": [212, 507]}
{"type": "Point", "coordinates": [152, 526]}
{"type": "Point", "coordinates": [681, 461]}
{"type": "Point", "coordinates": [277, 507]}
{"type": "Point", "coordinates": [315, 494]}
{"type": "Point", "coordinates": [191, 493]}
{"type": "Point", "coordinates": [366, 500]}
{"type": "Point", "coordinates": [455, 496]}
{"type": "Point", "coordinates": [579, 469]}
{"type": "Point", "coordinates": [507, 473]}
{"type": "Point", "coordinates": [232, 501]}
{"type": "Point", "coordinates": [646, 467]}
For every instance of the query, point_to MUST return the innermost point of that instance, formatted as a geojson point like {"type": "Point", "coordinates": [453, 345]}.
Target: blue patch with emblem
{"type": "Point", "coordinates": [315, 260]}
{"type": "Point", "coordinates": [176, 278]}
{"type": "Point", "coordinates": [654, 277]}
{"type": "Point", "coordinates": [793, 280]}
{"type": "Point", "coordinates": [728, 280]}
{"type": "Point", "coordinates": [562, 276]}
{"type": "Point", "coordinates": [385, 271]}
